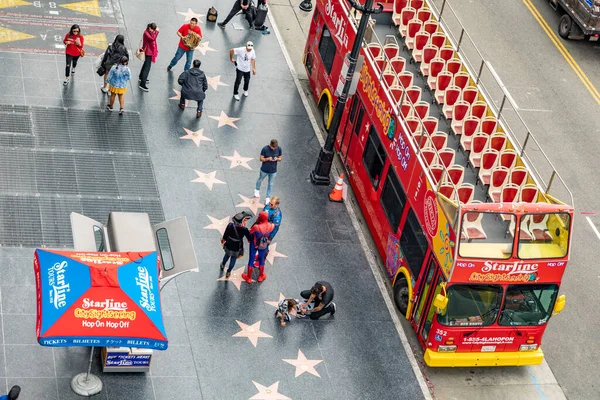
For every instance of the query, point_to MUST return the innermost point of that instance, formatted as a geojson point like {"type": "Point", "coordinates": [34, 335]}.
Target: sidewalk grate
{"type": "Point", "coordinates": [57, 161]}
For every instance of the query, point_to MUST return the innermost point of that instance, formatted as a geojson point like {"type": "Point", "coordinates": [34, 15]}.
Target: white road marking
{"type": "Point", "coordinates": [377, 273]}
{"type": "Point", "coordinates": [593, 227]}
{"type": "Point", "coordinates": [535, 109]}
{"type": "Point", "coordinates": [504, 88]}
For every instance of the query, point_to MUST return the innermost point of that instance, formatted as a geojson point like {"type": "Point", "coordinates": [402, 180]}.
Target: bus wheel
{"type": "Point", "coordinates": [401, 295]}
{"type": "Point", "coordinates": [324, 107]}
{"type": "Point", "coordinates": [564, 26]}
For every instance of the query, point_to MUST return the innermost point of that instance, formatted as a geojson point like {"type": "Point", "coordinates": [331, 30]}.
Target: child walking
{"type": "Point", "coordinates": [118, 78]}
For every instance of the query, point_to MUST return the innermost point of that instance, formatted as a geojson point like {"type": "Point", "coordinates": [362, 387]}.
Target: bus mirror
{"type": "Point", "coordinates": [560, 304]}
{"type": "Point", "coordinates": [440, 303]}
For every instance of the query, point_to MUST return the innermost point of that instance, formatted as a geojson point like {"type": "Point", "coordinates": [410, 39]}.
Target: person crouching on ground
{"type": "Point", "coordinates": [260, 232]}
{"type": "Point", "coordinates": [322, 295]}
{"type": "Point", "coordinates": [193, 87]}
{"type": "Point", "coordinates": [118, 78]}
{"type": "Point", "coordinates": [233, 241]}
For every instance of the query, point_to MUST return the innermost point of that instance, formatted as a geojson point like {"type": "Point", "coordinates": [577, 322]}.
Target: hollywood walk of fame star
{"type": "Point", "coordinates": [215, 81]}
{"type": "Point", "coordinates": [303, 364]}
{"type": "Point", "coordinates": [276, 303]}
{"type": "Point", "coordinates": [190, 14]}
{"type": "Point", "coordinates": [208, 179]}
{"type": "Point", "coordinates": [268, 393]}
{"type": "Point", "coordinates": [203, 47]}
{"type": "Point", "coordinates": [235, 278]}
{"type": "Point", "coordinates": [178, 96]}
{"type": "Point", "coordinates": [274, 253]}
{"type": "Point", "coordinates": [252, 332]}
{"type": "Point", "coordinates": [218, 224]}
{"type": "Point", "coordinates": [238, 161]}
{"type": "Point", "coordinates": [252, 203]}
{"type": "Point", "coordinates": [196, 136]}
{"type": "Point", "coordinates": [225, 120]}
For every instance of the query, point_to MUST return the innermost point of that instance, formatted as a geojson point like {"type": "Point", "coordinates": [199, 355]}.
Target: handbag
{"type": "Point", "coordinates": [212, 14]}
{"type": "Point", "coordinates": [140, 53]}
{"type": "Point", "coordinates": [81, 52]}
{"type": "Point", "coordinates": [101, 70]}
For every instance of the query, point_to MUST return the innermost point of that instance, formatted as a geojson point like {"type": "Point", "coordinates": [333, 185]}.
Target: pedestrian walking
{"type": "Point", "coordinates": [240, 5]}
{"type": "Point", "coordinates": [74, 42]}
{"type": "Point", "coordinates": [150, 49]}
{"type": "Point", "coordinates": [112, 56]}
{"type": "Point", "coordinates": [259, 243]}
{"type": "Point", "coordinates": [190, 36]}
{"type": "Point", "coordinates": [193, 87]}
{"type": "Point", "coordinates": [245, 62]}
{"type": "Point", "coordinates": [118, 78]}
{"type": "Point", "coordinates": [321, 294]}
{"type": "Point", "coordinates": [13, 393]}
{"type": "Point", "coordinates": [269, 156]}
{"type": "Point", "coordinates": [274, 211]}
{"type": "Point", "coordinates": [233, 241]}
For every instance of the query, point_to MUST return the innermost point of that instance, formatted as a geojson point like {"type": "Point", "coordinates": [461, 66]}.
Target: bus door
{"type": "Point", "coordinates": [351, 129]}
{"type": "Point", "coordinates": [425, 311]}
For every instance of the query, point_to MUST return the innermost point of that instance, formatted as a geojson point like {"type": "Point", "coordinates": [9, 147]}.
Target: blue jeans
{"type": "Point", "coordinates": [231, 263]}
{"type": "Point", "coordinates": [262, 254]}
{"type": "Point", "coordinates": [178, 54]}
{"type": "Point", "coordinates": [262, 177]}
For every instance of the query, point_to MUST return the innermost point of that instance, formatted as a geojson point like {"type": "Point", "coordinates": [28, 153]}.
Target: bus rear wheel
{"type": "Point", "coordinates": [401, 295]}
{"type": "Point", "coordinates": [325, 109]}
{"type": "Point", "coordinates": [564, 26]}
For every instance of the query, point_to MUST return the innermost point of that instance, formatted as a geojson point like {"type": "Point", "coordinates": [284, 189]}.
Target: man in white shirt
{"type": "Point", "coordinates": [245, 62]}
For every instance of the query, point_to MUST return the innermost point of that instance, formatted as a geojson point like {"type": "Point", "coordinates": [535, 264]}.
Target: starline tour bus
{"type": "Point", "coordinates": [450, 181]}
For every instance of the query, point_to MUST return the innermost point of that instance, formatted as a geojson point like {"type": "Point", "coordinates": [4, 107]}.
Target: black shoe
{"type": "Point", "coordinates": [227, 275]}
{"type": "Point", "coordinates": [168, 68]}
{"type": "Point", "coordinates": [222, 266]}
{"type": "Point", "coordinates": [333, 308]}
{"type": "Point", "coordinates": [14, 392]}
{"type": "Point", "coordinates": [144, 88]}
{"type": "Point", "coordinates": [251, 27]}
{"type": "Point", "coordinates": [221, 25]}
{"type": "Point", "coordinates": [198, 114]}
{"type": "Point", "coordinates": [121, 111]}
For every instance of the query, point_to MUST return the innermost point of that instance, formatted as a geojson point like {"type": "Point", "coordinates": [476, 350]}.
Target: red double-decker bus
{"type": "Point", "coordinates": [450, 181]}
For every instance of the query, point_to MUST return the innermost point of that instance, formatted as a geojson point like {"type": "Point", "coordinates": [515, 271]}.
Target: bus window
{"type": "Point", "coordinates": [425, 292]}
{"type": "Point", "coordinates": [485, 235]}
{"type": "Point", "coordinates": [393, 199]}
{"type": "Point", "coordinates": [528, 304]}
{"type": "Point", "coordinates": [431, 313]}
{"type": "Point", "coordinates": [547, 235]}
{"type": "Point", "coordinates": [374, 157]}
{"type": "Point", "coordinates": [413, 243]}
{"type": "Point", "coordinates": [472, 305]}
{"type": "Point", "coordinates": [327, 49]}
{"type": "Point", "coordinates": [358, 123]}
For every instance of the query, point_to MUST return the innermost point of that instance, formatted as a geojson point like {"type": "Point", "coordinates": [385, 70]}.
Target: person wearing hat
{"type": "Point", "coordinates": [233, 240]}
{"type": "Point", "coordinates": [245, 62]}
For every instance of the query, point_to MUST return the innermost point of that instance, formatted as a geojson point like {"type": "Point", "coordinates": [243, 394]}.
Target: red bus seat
{"type": "Point", "coordinates": [438, 40]}
{"type": "Point", "coordinates": [489, 125]}
{"type": "Point", "coordinates": [453, 66]}
{"type": "Point", "coordinates": [391, 50]}
{"type": "Point", "coordinates": [489, 158]}
{"type": "Point", "coordinates": [508, 158]}
{"type": "Point", "coordinates": [471, 226]}
{"type": "Point", "coordinates": [430, 124]}
{"type": "Point", "coordinates": [459, 113]}
{"type": "Point", "coordinates": [538, 226]}
{"type": "Point", "coordinates": [438, 139]}
{"type": "Point", "coordinates": [456, 174]}
{"type": "Point", "coordinates": [429, 156]}
{"type": "Point", "coordinates": [498, 141]}
{"type": "Point", "coordinates": [421, 110]}
{"type": "Point", "coordinates": [470, 94]}
{"type": "Point", "coordinates": [397, 65]}
{"type": "Point", "coordinates": [406, 79]}
{"type": "Point", "coordinates": [447, 156]}
{"type": "Point", "coordinates": [416, 4]}
{"type": "Point", "coordinates": [446, 53]}
{"type": "Point", "coordinates": [408, 13]}
{"type": "Point", "coordinates": [479, 143]}
{"type": "Point", "coordinates": [435, 67]}
{"type": "Point", "coordinates": [451, 96]}
{"type": "Point", "coordinates": [518, 176]}
{"type": "Point", "coordinates": [436, 172]}
{"type": "Point", "coordinates": [479, 109]}
{"type": "Point", "coordinates": [461, 79]}
{"type": "Point", "coordinates": [421, 40]}
{"type": "Point", "coordinates": [397, 10]}
{"type": "Point", "coordinates": [498, 180]}
{"type": "Point", "coordinates": [414, 94]}
{"type": "Point", "coordinates": [429, 53]}
{"type": "Point", "coordinates": [424, 15]}
{"type": "Point", "coordinates": [375, 49]}
{"type": "Point", "coordinates": [414, 125]}
{"type": "Point", "coordinates": [444, 80]}
{"type": "Point", "coordinates": [430, 26]}
{"type": "Point", "coordinates": [448, 190]}
{"type": "Point", "coordinates": [414, 26]}
{"type": "Point", "coordinates": [390, 79]}
{"type": "Point", "coordinates": [465, 193]}
{"type": "Point", "coordinates": [469, 126]}
{"type": "Point", "coordinates": [529, 193]}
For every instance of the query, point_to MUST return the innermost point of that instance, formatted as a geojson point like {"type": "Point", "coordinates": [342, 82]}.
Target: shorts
{"type": "Point", "coordinates": [117, 90]}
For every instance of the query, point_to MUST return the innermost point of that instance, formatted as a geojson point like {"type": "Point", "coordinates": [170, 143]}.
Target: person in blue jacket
{"type": "Point", "coordinates": [13, 394]}
{"type": "Point", "coordinates": [274, 214]}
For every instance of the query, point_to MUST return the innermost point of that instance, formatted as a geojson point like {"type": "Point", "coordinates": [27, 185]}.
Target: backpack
{"type": "Point", "coordinates": [212, 14]}
{"type": "Point", "coordinates": [263, 242]}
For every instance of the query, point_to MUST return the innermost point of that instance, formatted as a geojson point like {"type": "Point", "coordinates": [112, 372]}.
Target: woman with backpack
{"type": "Point", "coordinates": [259, 243]}
{"type": "Point", "coordinates": [233, 241]}
{"type": "Point", "coordinates": [118, 78]}
{"type": "Point", "coordinates": [113, 54]}
{"type": "Point", "coordinates": [74, 42]}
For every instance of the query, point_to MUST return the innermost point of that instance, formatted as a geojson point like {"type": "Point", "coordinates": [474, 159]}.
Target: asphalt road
{"type": "Point", "coordinates": [566, 122]}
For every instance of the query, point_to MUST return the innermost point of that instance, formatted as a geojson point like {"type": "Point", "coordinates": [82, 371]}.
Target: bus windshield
{"type": "Point", "coordinates": [528, 304]}
{"type": "Point", "coordinates": [472, 305]}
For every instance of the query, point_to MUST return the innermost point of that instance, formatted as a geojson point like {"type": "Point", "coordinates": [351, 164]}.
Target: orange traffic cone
{"type": "Point", "coordinates": [338, 191]}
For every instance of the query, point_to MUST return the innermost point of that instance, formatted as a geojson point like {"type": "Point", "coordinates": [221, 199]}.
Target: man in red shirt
{"type": "Point", "coordinates": [183, 49]}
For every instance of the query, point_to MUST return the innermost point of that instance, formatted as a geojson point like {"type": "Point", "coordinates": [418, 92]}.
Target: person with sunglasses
{"type": "Point", "coordinates": [274, 214]}
{"type": "Point", "coordinates": [74, 49]}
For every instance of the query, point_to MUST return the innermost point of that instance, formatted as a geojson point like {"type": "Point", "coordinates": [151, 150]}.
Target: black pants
{"type": "Point", "coordinates": [145, 70]}
{"type": "Point", "coordinates": [316, 315]}
{"type": "Point", "coordinates": [236, 9]}
{"type": "Point", "coordinates": [200, 103]}
{"type": "Point", "coordinates": [238, 79]}
{"type": "Point", "coordinates": [70, 59]}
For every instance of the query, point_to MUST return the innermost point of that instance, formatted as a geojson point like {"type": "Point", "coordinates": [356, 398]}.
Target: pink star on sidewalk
{"type": "Point", "coordinates": [303, 364]}
{"type": "Point", "coordinates": [190, 14]}
{"type": "Point", "coordinates": [252, 203]}
{"type": "Point", "coordinates": [208, 179]}
{"type": "Point", "coordinates": [276, 303]}
{"type": "Point", "coordinates": [235, 278]}
{"type": "Point", "coordinates": [238, 161]}
{"type": "Point", "coordinates": [203, 48]}
{"type": "Point", "coordinates": [195, 136]}
{"type": "Point", "coordinates": [252, 332]}
{"type": "Point", "coordinates": [178, 96]}
{"type": "Point", "coordinates": [218, 224]}
{"type": "Point", "coordinates": [268, 393]}
{"type": "Point", "coordinates": [225, 120]}
{"type": "Point", "coordinates": [274, 253]}
{"type": "Point", "coordinates": [215, 81]}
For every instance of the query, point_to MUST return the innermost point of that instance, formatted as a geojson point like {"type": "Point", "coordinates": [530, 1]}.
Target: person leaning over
{"type": "Point", "coordinates": [193, 87]}
{"type": "Point", "coordinates": [240, 5]}
{"type": "Point", "coordinates": [322, 295]}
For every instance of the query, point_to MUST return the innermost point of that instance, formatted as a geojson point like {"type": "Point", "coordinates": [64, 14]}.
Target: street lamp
{"type": "Point", "coordinates": [320, 175]}
{"type": "Point", "coordinates": [306, 5]}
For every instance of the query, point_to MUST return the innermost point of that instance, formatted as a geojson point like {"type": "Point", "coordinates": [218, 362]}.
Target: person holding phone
{"type": "Point", "coordinates": [74, 42]}
{"type": "Point", "coordinates": [269, 156]}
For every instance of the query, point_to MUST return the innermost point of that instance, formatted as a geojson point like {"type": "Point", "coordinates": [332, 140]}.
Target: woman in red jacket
{"type": "Point", "coordinates": [150, 49]}
{"type": "Point", "coordinates": [74, 42]}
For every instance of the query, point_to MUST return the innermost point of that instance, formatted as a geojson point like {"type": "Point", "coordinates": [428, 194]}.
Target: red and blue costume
{"type": "Point", "coordinates": [260, 234]}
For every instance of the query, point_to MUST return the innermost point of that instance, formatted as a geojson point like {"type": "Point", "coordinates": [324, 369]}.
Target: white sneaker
{"type": "Point", "coordinates": [237, 97]}
{"type": "Point", "coordinates": [246, 93]}
{"type": "Point", "coordinates": [72, 70]}
{"type": "Point", "coordinates": [267, 200]}
{"type": "Point", "coordinates": [257, 193]}
{"type": "Point", "coordinates": [66, 81]}
{"type": "Point", "coordinates": [104, 90]}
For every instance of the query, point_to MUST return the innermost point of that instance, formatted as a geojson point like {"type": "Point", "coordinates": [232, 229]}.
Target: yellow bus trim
{"type": "Point", "coordinates": [479, 359]}
{"type": "Point", "coordinates": [327, 93]}
{"type": "Point", "coordinates": [406, 274]}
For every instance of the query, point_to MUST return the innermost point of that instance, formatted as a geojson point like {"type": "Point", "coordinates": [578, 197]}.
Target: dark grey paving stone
{"type": "Point", "coordinates": [177, 388]}
{"type": "Point", "coordinates": [17, 271]}
{"type": "Point", "coordinates": [176, 330]}
{"type": "Point", "coordinates": [6, 99]}
{"type": "Point", "coordinates": [39, 87]}
{"type": "Point", "coordinates": [11, 64]}
{"type": "Point", "coordinates": [46, 70]}
{"type": "Point", "coordinates": [29, 361]}
{"type": "Point", "coordinates": [44, 101]}
{"type": "Point", "coordinates": [169, 298]}
{"type": "Point", "coordinates": [12, 85]}
{"type": "Point", "coordinates": [66, 393]}
{"type": "Point", "coordinates": [176, 361]}
{"type": "Point", "coordinates": [18, 300]}
{"type": "Point", "coordinates": [36, 388]}
{"type": "Point", "coordinates": [20, 329]}
{"type": "Point", "coordinates": [129, 386]}
{"type": "Point", "coordinates": [80, 90]}
{"type": "Point", "coordinates": [71, 361]}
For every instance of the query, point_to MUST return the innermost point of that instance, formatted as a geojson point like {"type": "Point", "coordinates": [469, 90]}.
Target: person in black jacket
{"type": "Point", "coordinates": [193, 85]}
{"type": "Point", "coordinates": [113, 54]}
{"type": "Point", "coordinates": [233, 240]}
{"type": "Point", "coordinates": [321, 295]}
{"type": "Point", "coordinates": [240, 5]}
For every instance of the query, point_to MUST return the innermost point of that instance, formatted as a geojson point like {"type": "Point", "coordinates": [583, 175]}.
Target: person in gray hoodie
{"type": "Point", "coordinates": [193, 85]}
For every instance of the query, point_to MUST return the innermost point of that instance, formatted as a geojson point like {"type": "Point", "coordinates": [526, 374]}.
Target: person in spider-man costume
{"type": "Point", "coordinates": [260, 234]}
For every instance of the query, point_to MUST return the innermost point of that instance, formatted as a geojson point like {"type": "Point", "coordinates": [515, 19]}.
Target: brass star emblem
{"type": "Point", "coordinates": [252, 203]}
{"type": "Point", "coordinates": [195, 136]}
{"type": "Point", "coordinates": [238, 161]}
{"type": "Point", "coordinates": [235, 278]}
{"type": "Point", "coordinates": [252, 332]}
{"type": "Point", "coordinates": [218, 224]}
{"type": "Point", "coordinates": [268, 393]}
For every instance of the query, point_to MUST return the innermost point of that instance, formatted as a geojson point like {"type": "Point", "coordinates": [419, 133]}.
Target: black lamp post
{"type": "Point", "coordinates": [320, 175]}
